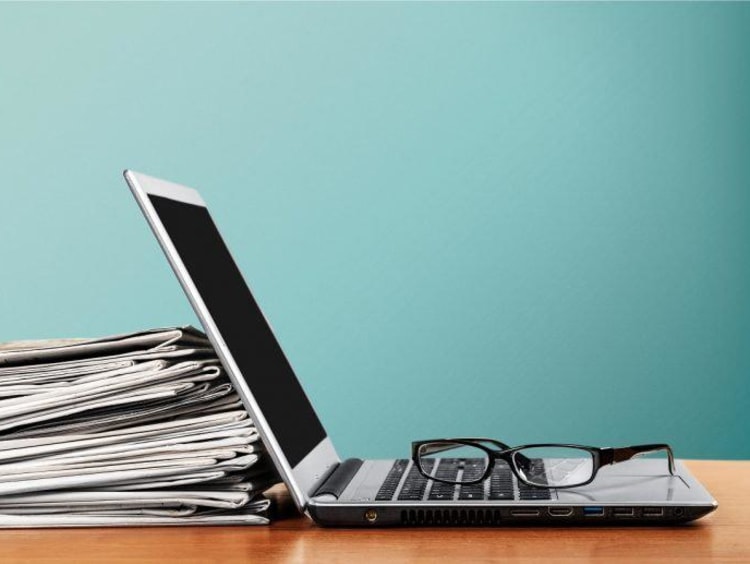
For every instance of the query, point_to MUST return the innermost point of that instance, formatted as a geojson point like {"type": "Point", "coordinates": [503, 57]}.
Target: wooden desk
{"type": "Point", "coordinates": [724, 535]}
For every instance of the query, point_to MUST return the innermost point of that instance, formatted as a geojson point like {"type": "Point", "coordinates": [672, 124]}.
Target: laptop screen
{"type": "Point", "coordinates": [245, 331]}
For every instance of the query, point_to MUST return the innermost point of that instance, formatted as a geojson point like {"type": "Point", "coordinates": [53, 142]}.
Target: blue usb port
{"type": "Point", "coordinates": [593, 511]}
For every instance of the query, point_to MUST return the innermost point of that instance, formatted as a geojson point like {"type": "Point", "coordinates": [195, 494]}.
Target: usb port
{"type": "Point", "coordinates": [560, 511]}
{"type": "Point", "coordinates": [623, 512]}
{"type": "Point", "coordinates": [653, 512]}
{"type": "Point", "coordinates": [593, 511]}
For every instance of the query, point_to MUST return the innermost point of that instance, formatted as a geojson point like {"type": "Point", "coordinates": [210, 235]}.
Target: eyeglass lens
{"type": "Point", "coordinates": [453, 462]}
{"type": "Point", "coordinates": [554, 466]}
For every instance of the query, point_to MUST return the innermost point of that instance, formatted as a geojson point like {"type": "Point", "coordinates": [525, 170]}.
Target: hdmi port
{"type": "Point", "coordinates": [524, 512]}
{"type": "Point", "coordinates": [560, 511]}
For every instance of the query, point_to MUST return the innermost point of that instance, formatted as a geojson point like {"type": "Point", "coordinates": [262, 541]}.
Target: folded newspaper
{"type": "Point", "coordinates": [136, 429]}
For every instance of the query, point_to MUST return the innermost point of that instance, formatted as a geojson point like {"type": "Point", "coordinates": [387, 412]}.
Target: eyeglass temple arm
{"type": "Point", "coordinates": [615, 455]}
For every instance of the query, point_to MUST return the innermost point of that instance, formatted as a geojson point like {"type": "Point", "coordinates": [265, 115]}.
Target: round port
{"type": "Point", "coordinates": [371, 515]}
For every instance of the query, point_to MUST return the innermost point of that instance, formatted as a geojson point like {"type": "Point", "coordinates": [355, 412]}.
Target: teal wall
{"type": "Point", "coordinates": [525, 221]}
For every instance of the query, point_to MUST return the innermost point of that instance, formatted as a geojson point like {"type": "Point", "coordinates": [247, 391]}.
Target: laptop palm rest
{"type": "Point", "coordinates": [640, 481]}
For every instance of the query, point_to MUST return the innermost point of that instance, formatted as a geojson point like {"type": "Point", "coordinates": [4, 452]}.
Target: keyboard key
{"type": "Point", "coordinates": [414, 486]}
{"type": "Point", "coordinates": [535, 495]}
{"type": "Point", "coordinates": [501, 495]}
{"type": "Point", "coordinates": [389, 485]}
{"type": "Point", "coordinates": [441, 495]}
{"type": "Point", "coordinates": [529, 492]}
{"type": "Point", "coordinates": [501, 482]}
{"type": "Point", "coordinates": [442, 491]}
{"type": "Point", "coordinates": [475, 491]}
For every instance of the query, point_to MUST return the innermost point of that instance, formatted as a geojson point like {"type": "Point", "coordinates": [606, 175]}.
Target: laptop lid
{"type": "Point", "coordinates": [240, 333]}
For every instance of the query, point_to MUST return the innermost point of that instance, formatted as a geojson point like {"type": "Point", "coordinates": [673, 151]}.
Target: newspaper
{"type": "Point", "coordinates": [136, 429]}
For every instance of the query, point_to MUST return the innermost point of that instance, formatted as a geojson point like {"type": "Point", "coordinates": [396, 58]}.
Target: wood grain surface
{"type": "Point", "coordinates": [723, 536]}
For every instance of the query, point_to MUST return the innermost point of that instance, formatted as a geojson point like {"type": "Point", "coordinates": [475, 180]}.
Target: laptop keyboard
{"type": "Point", "coordinates": [392, 480]}
{"type": "Point", "coordinates": [501, 485]}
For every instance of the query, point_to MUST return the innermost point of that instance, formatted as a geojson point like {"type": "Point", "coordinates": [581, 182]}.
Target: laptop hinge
{"type": "Point", "coordinates": [336, 482]}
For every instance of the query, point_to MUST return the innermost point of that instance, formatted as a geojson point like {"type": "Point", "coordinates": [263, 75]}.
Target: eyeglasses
{"type": "Point", "coordinates": [470, 461]}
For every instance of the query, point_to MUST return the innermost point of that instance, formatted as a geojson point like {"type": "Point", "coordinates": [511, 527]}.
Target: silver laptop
{"type": "Point", "coordinates": [367, 493]}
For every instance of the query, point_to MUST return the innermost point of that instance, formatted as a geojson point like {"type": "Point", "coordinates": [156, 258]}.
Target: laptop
{"type": "Point", "coordinates": [372, 493]}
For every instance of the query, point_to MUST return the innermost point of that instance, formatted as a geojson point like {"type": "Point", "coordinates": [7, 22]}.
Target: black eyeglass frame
{"type": "Point", "coordinates": [600, 457]}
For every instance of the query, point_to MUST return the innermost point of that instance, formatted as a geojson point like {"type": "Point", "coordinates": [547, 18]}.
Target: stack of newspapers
{"type": "Point", "coordinates": [134, 429]}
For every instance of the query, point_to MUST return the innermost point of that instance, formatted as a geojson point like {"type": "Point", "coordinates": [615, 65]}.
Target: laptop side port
{"type": "Point", "coordinates": [653, 512]}
{"type": "Point", "coordinates": [524, 512]}
{"type": "Point", "coordinates": [560, 511]}
{"type": "Point", "coordinates": [593, 511]}
{"type": "Point", "coordinates": [623, 512]}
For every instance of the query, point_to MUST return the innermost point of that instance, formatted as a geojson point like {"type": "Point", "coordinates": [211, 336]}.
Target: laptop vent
{"type": "Point", "coordinates": [450, 517]}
